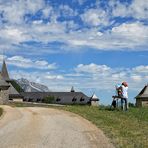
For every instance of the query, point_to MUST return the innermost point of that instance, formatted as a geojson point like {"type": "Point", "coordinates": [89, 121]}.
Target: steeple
{"type": "Point", "coordinates": [94, 97]}
{"type": "Point", "coordinates": [4, 71]}
{"type": "Point", "coordinates": [72, 89]}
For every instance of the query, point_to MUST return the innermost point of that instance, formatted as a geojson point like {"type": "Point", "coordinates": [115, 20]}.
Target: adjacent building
{"type": "Point", "coordinates": [10, 90]}
{"type": "Point", "coordinates": [94, 100]}
{"type": "Point", "coordinates": [142, 97]}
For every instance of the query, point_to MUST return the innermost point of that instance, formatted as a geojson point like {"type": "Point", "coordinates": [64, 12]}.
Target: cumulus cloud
{"type": "Point", "coordinates": [22, 62]}
{"type": "Point", "coordinates": [137, 9]}
{"type": "Point", "coordinates": [36, 22]}
{"type": "Point", "coordinates": [14, 11]}
{"type": "Point", "coordinates": [141, 69]}
{"type": "Point", "coordinates": [107, 76]}
{"type": "Point", "coordinates": [92, 68]}
{"type": "Point", "coordinates": [95, 17]}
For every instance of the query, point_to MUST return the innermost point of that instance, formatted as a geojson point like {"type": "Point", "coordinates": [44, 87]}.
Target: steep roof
{"type": "Point", "coordinates": [4, 84]}
{"type": "Point", "coordinates": [143, 93]}
{"type": "Point", "coordinates": [94, 97]}
{"type": "Point", "coordinates": [4, 71]}
{"type": "Point", "coordinates": [66, 97]}
{"type": "Point", "coordinates": [15, 85]}
{"type": "Point", "coordinates": [72, 89]}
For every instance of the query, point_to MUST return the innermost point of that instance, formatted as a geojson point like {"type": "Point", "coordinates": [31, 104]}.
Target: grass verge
{"type": "Point", "coordinates": [1, 111]}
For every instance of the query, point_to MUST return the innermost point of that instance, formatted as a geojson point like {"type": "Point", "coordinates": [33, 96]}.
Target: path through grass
{"type": "Point", "coordinates": [125, 129]}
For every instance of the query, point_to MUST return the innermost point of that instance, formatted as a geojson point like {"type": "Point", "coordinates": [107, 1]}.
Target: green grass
{"type": "Point", "coordinates": [1, 111]}
{"type": "Point", "coordinates": [125, 129]}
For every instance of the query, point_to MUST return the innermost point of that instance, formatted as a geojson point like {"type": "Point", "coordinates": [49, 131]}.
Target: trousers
{"type": "Point", "coordinates": [124, 104]}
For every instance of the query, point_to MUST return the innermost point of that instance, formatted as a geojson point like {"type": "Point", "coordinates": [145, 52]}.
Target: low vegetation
{"type": "Point", "coordinates": [16, 86]}
{"type": "Point", "coordinates": [48, 99]}
{"type": "Point", "coordinates": [1, 111]}
{"type": "Point", "coordinates": [126, 129]}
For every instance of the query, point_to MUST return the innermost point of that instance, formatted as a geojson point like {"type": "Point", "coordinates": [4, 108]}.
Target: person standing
{"type": "Point", "coordinates": [124, 98]}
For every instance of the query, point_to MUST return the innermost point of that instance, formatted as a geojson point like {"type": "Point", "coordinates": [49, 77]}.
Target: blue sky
{"type": "Point", "coordinates": [89, 44]}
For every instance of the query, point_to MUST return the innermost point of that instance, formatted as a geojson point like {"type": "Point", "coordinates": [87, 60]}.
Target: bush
{"type": "Point", "coordinates": [1, 111]}
{"type": "Point", "coordinates": [49, 99]}
{"type": "Point", "coordinates": [131, 104]}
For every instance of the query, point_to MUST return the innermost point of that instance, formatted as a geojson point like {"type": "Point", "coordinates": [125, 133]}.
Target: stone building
{"type": "Point", "coordinates": [94, 100]}
{"type": "Point", "coordinates": [4, 92]}
{"type": "Point", "coordinates": [142, 97]}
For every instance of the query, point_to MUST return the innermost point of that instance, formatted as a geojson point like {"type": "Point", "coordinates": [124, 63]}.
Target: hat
{"type": "Point", "coordinates": [125, 84]}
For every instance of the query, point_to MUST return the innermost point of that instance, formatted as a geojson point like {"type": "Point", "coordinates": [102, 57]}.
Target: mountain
{"type": "Point", "coordinates": [28, 86]}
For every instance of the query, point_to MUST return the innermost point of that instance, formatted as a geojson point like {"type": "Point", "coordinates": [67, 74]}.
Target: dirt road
{"type": "Point", "coordinates": [35, 127]}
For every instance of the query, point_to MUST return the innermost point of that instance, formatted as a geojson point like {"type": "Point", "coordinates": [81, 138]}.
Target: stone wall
{"type": "Point", "coordinates": [138, 102]}
{"type": "Point", "coordinates": [142, 102]}
{"type": "Point", "coordinates": [145, 103]}
{"type": "Point", "coordinates": [95, 103]}
{"type": "Point", "coordinates": [4, 96]}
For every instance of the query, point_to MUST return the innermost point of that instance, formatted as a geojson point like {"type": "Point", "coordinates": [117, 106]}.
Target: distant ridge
{"type": "Point", "coordinates": [28, 86]}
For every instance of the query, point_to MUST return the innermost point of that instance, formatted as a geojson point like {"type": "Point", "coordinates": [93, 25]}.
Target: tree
{"type": "Point", "coordinates": [48, 99]}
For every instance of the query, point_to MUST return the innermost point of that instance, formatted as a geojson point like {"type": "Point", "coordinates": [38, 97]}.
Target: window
{"type": "Point", "coordinates": [24, 99]}
{"type": "Point", "coordinates": [30, 100]}
{"type": "Point", "coordinates": [38, 100]}
{"type": "Point", "coordinates": [74, 99]}
{"type": "Point", "coordinates": [82, 99]}
{"type": "Point", "coordinates": [58, 99]}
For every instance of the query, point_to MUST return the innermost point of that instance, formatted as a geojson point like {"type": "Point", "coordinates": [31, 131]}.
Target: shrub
{"type": "Point", "coordinates": [49, 99]}
{"type": "Point", "coordinates": [1, 111]}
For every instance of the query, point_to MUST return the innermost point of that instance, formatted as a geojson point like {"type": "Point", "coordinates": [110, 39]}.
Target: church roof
{"type": "Point", "coordinates": [94, 97]}
{"type": "Point", "coordinates": [143, 93]}
{"type": "Point", "coordinates": [66, 97]}
{"type": "Point", "coordinates": [72, 89]}
{"type": "Point", "coordinates": [4, 71]}
{"type": "Point", "coordinates": [4, 85]}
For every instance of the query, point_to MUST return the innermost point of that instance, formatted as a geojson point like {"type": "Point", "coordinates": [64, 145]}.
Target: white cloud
{"type": "Point", "coordinates": [81, 2]}
{"type": "Point", "coordinates": [14, 11]}
{"type": "Point", "coordinates": [95, 17]}
{"type": "Point", "coordinates": [141, 69]}
{"type": "Point", "coordinates": [136, 78]}
{"type": "Point", "coordinates": [47, 11]}
{"type": "Point", "coordinates": [131, 36]}
{"type": "Point", "coordinates": [137, 9]}
{"type": "Point", "coordinates": [22, 62]}
{"type": "Point", "coordinates": [92, 68]}
{"type": "Point", "coordinates": [54, 77]}
{"type": "Point", "coordinates": [67, 10]}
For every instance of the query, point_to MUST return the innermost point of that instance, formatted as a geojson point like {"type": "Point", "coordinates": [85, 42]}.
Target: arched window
{"type": "Point", "coordinates": [58, 99]}
{"type": "Point", "coordinates": [74, 99]}
{"type": "Point", "coordinates": [82, 99]}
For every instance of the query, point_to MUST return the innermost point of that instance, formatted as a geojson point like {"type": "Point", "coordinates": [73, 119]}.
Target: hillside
{"type": "Point", "coordinates": [28, 86]}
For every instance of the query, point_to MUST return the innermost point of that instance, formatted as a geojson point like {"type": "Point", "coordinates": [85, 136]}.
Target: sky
{"type": "Point", "coordinates": [89, 44]}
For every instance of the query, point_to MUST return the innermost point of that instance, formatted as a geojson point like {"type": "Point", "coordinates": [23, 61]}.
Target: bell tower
{"type": "Point", "coordinates": [4, 71]}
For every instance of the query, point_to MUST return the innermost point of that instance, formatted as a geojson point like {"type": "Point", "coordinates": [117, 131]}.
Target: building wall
{"type": "Point", "coordinates": [138, 102]}
{"type": "Point", "coordinates": [4, 96]}
{"type": "Point", "coordinates": [144, 103]}
{"type": "Point", "coordinates": [17, 99]}
{"type": "Point", "coordinates": [95, 103]}
{"type": "Point", "coordinates": [12, 90]}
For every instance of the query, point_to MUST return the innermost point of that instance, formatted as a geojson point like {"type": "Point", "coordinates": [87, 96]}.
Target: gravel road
{"type": "Point", "coordinates": [35, 127]}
